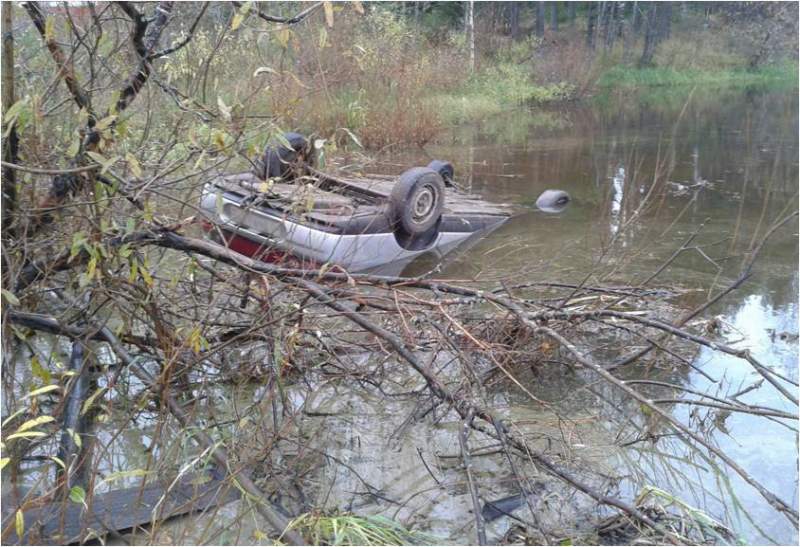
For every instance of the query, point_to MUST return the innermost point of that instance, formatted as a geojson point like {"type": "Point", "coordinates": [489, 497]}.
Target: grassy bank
{"type": "Point", "coordinates": [496, 89]}
{"type": "Point", "coordinates": [780, 75]}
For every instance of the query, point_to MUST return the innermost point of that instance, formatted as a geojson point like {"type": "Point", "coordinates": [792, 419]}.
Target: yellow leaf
{"type": "Point", "coordinates": [283, 36]}
{"type": "Point", "coordinates": [42, 390]}
{"type": "Point", "coordinates": [224, 109]}
{"type": "Point", "coordinates": [59, 461]}
{"type": "Point", "coordinates": [9, 297]}
{"type": "Point", "coordinates": [264, 70]}
{"type": "Point", "coordinates": [4, 462]}
{"type": "Point", "coordinates": [105, 123]}
{"type": "Point", "coordinates": [328, 7]}
{"type": "Point", "coordinates": [200, 159]}
{"type": "Point", "coordinates": [30, 424]}
{"type": "Point", "coordinates": [237, 20]}
{"type": "Point", "coordinates": [8, 420]}
{"type": "Point", "coordinates": [219, 140]}
{"type": "Point", "coordinates": [133, 163]}
{"type": "Point", "coordinates": [125, 474]}
{"type": "Point", "coordinates": [19, 523]}
{"type": "Point", "coordinates": [26, 435]}
{"type": "Point", "coordinates": [99, 158]}
{"type": "Point", "coordinates": [49, 28]}
{"type": "Point", "coordinates": [148, 279]}
{"type": "Point", "coordinates": [75, 437]}
{"type": "Point", "coordinates": [87, 404]}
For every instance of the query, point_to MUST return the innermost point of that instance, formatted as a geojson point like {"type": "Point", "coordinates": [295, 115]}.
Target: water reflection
{"type": "Point", "coordinates": [618, 193]}
{"type": "Point", "coordinates": [702, 157]}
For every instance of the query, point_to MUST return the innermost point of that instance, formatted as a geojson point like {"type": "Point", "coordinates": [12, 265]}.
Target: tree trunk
{"type": "Point", "coordinates": [513, 15]}
{"type": "Point", "coordinates": [629, 34]}
{"type": "Point", "coordinates": [470, 24]}
{"type": "Point", "coordinates": [540, 16]}
{"type": "Point", "coordinates": [554, 16]}
{"type": "Point", "coordinates": [650, 37]}
{"type": "Point", "coordinates": [11, 144]}
{"type": "Point", "coordinates": [591, 21]}
{"type": "Point", "coordinates": [637, 18]}
{"type": "Point", "coordinates": [609, 23]}
{"type": "Point", "coordinates": [620, 21]}
{"type": "Point", "coordinates": [571, 13]}
{"type": "Point", "coordinates": [664, 20]}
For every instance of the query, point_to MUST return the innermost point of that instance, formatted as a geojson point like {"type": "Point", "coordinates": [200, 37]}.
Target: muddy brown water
{"type": "Point", "coordinates": [723, 159]}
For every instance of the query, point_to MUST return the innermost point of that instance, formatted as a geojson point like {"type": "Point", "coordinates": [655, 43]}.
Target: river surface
{"type": "Point", "coordinates": [726, 160]}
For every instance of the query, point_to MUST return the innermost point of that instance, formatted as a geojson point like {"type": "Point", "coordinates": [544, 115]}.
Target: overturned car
{"type": "Point", "coordinates": [285, 207]}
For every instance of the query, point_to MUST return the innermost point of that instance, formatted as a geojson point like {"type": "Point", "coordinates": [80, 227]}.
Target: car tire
{"type": "Point", "coordinates": [417, 200]}
{"type": "Point", "coordinates": [445, 170]}
{"type": "Point", "coordinates": [278, 161]}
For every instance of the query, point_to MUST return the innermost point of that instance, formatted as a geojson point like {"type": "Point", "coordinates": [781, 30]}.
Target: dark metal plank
{"type": "Point", "coordinates": [68, 522]}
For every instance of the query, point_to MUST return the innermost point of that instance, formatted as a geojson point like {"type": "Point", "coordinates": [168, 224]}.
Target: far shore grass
{"type": "Point", "coordinates": [778, 75]}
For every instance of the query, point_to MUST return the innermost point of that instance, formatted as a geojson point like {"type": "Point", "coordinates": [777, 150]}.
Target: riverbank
{"type": "Point", "coordinates": [422, 78]}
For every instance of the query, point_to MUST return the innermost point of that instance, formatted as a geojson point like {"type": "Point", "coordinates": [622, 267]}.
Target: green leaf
{"type": "Point", "coordinates": [78, 241]}
{"type": "Point", "coordinates": [134, 270]}
{"type": "Point", "coordinates": [9, 297]}
{"type": "Point", "coordinates": [17, 116]}
{"type": "Point", "coordinates": [77, 494]}
{"type": "Point", "coordinates": [59, 461]}
{"type": "Point", "coordinates": [4, 462]}
{"type": "Point", "coordinates": [39, 371]}
{"type": "Point", "coordinates": [74, 148]}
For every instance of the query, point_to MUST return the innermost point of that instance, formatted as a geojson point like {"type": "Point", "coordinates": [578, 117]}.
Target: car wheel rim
{"type": "Point", "coordinates": [424, 204]}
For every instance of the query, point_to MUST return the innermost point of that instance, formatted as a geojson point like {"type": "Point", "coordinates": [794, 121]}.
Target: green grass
{"type": "Point", "coordinates": [779, 75]}
{"type": "Point", "coordinates": [495, 89]}
{"type": "Point", "coordinates": [345, 529]}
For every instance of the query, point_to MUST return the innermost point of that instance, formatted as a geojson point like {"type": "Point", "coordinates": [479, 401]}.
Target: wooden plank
{"type": "Point", "coordinates": [63, 523]}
